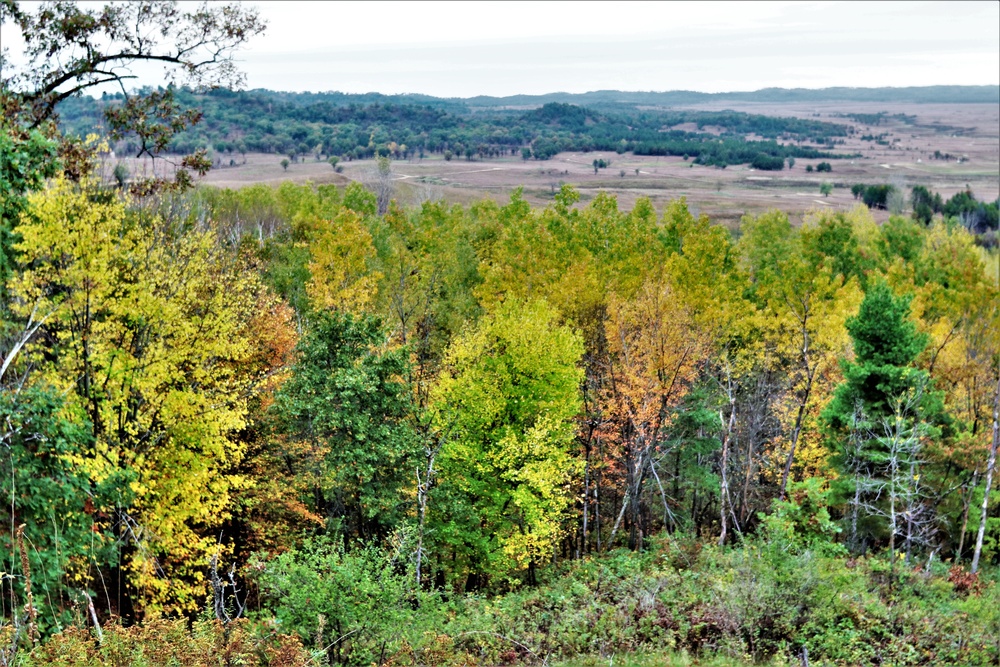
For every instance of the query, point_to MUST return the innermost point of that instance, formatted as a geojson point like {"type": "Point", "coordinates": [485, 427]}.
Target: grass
{"type": "Point", "coordinates": [655, 659]}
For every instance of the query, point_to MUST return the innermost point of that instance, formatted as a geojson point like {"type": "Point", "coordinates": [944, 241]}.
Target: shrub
{"type": "Point", "coordinates": [762, 600]}
{"type": "Point", "coordinates": [803, 520]}
{"type": "Point", "coordinates": [359, 605]}
{"type": "Point", "coordinates": [170, 642]}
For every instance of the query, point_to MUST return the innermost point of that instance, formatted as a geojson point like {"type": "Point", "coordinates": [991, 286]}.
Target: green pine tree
{"type": "Point", "coordinates": [886, 345]}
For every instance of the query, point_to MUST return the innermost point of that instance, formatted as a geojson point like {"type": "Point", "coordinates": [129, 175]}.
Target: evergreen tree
{"type": "Point", "coordinates": [886, 344]}
{"type": "Point", "coordinates": [880, 415]}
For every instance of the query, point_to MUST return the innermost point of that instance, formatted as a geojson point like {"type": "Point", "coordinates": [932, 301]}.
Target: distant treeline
{"type": "Point", "coordinates": [912, 95]}
{"type": "Point", "coordinates": [321, 125]}
{"type": "Point", "coordinates": [979, 217]}
{"type": "Point", "coordinates": [878, 117]}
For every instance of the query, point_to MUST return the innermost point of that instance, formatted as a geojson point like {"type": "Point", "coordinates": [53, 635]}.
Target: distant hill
{"type": "Point", "coordinates": [359, 126]}
{"type": "Point", "coordinates": [608, 98]}
{"type": "Point", "coordinates": [911, 95]}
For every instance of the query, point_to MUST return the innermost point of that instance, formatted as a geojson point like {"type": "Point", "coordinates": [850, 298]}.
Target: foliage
{"type": "Point", "coordinates": [26, 160]}
{"type": "Point", "coordinates": [504, 405]}
{"type": "Point", "coordinates": [767, 162]}
{"type": "Point", "coordinates": [803, 521]}
{"type": "Point", "coordinates": [344, 412]}
{"type": "Point", "coordinates": [65, 515]}
{"type": "Point", "coordinates": [756, 602]}
{"type": "Point", "coordinates": [357, 607]}
{"type": "Point", "coordinates": [874, 196]}
{"type": "Point", "coordinates": [165, 642]}
{"type": "Point", "coordinates": [886, 343]}
{"type": "Point", "coordinates": [340, 258]}
{"type": "Point", "coordinates": [147, 333]}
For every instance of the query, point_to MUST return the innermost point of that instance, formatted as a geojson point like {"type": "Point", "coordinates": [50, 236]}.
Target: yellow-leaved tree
{"type": "Point", "coordinates": [339, 265]}
{"type": "Point", "coordinates": [147, 334]}
{"type": "Point", "coordinates": [654, 352]}
{"type": "Point", "coordinates": [504, 406]}
{"type": "Point", "coordinates": [804, 306]}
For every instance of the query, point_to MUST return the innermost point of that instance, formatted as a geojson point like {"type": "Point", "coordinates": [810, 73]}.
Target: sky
{"type": "Point", "coordinates": [453, 49]}
{"type": "Point", "coordinates": [502, 48]}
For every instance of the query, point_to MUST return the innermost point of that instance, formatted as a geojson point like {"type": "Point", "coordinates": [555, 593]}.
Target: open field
{"type": "Point", "coordinates": [970, 133]}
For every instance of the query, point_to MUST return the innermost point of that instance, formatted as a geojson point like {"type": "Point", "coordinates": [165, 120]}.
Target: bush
{"type": "Point", "coordinates": [763, 600]}
{"type": "Point", "coordinates": [359, 605]}
{"type": "Point", "coordinates": [803, 520]}
{"type": "Point", "coordinates": [165, 642]}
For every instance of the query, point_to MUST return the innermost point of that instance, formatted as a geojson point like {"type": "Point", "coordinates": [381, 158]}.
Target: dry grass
{"type": "Point", "coordinates": [971, 131]}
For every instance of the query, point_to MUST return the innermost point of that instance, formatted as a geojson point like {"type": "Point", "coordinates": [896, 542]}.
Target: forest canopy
{"type": "Point", "coordinates": [516, 387]}
{"type": "Point", "coordinates": [306, 424]}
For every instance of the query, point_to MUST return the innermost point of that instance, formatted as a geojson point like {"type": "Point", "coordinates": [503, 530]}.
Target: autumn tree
{"type": "Point", "coordinates": [146, 334]}
{"type": "Point", "coordinates": [654, 353]}
{"type": "Point", "coordinates": [340, 256]}
{"type": "Point", "coordinates": [504, 405]}
{"type": "Point", "coordinates": [70, 49]}
{"type": "Point", "coordinates": [531, 255]}
{"type": "Point", "coordinates": [805, 308]}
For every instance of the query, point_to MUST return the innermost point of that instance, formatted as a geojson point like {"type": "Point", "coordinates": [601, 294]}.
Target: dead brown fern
{"type": "Point", "coordinates": [29, 606]}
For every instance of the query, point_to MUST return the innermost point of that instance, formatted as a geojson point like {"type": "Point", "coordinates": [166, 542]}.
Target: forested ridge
{"type": "Point", "coordinates": [325, 125]}
{"type": "Point", "coordinates": [307, 425]}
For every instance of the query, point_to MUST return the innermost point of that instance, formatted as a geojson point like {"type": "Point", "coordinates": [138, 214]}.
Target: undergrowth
{"type": "Point", "coordinates": [680, 602]}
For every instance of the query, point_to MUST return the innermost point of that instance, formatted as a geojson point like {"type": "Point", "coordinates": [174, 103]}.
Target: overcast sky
{"type": "Point", "coordinates": [505, 48]}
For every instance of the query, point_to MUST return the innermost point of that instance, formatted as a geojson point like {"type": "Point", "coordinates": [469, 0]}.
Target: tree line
{"type": "Point", "coordinates": [235, 123]}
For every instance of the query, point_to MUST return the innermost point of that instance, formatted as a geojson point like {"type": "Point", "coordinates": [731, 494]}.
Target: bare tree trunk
{"type": "Point", "coordinates": [892, 524]}
{"type": "Point", "coordinates": [795, 441]}
{"type": "Point", "coordinates": [724, 502]}
{"type": "Point", "coordinates": [668, 516]}
{"type": "Point", "coordinates": [597, 496]}
{"type": "Point", "coordinates": [747, 475]}
{"type": "Point", "coordinates": [991, 463]}
{"type": "Point", "coordinates": [797, 429]}
{"type": "Point", "coordinates": [30, 327]}
{"type": "Point", "coordinates": [423, 492]}
{"type": "Point", "coordinates": [586, 501]}
{"type": "Point", "coordinates": [855, 510]}
{"type": "Point", "coordinates": [910, 510]}
{"type": "Point", "coordinates": [635, 507]}
{"type": "Point", "coordinates": [618, 521]}
{"type": "Point", "coordinates": [967, 496]}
